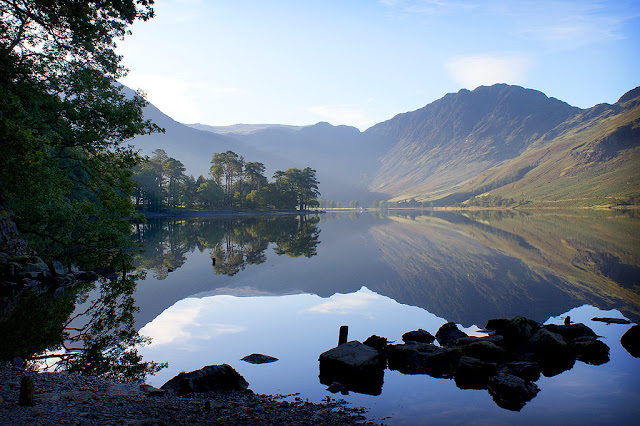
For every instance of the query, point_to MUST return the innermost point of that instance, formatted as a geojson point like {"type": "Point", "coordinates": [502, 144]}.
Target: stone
{"type": "Point", "coordinates": [572, 331]}
{"type": "Point", "coordinates": [485, 351]}
{"type": "Point", "coordinates": [419, 335]}
{"type": "Point", "coordinates": [547, 343]}
{"type": "Point", "coordinates": [259, 359]}
{"type": "Point", "coordinates": [210, 378]}
{"type": "Point", "coordinates": [358, 367]}
{"type": "Point", "coordinates": [472, 373]}
{"type": "Point", "coordinates": [335, 387]}
{"type": "Point", "coordinates": [57, 268]}
{"type": "Point", "coordinates": [448, 333]}
{"type": "Point", "coordinates": [497, 324]}
{"type": "Point", "coordinates": [376, 342]}
{"type": "Point", "coordinates": [631, 341]}
{"type": "Point", "coordinates": [511, 392]}
{"type": "Point", "coordinates": [58, 293]}
{"type": "Point", "coordinates": [519, 330]}
{"type": "Point", "coordinates": [591, 350]}
{"type": "Point", "coordinates": [467, 340]}
{"type": "Point", "coordinates": [422, 358]}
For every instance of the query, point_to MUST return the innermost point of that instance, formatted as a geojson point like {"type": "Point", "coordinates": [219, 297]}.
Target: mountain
{"type": "Point", "coordinates": [511, 142]}
{"type": "Point", "coordinates": [345, 158]}
{"type": "Point", "coordinates": [501, 141]}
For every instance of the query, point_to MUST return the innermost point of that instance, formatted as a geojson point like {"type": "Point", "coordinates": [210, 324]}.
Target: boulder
{"type": "Point", "coordinates": [259, 359]}
{"type": "Point", "coordinates": [358, 367]}
{"type": "Point", "coordinates": [472, 373]}
{"type": "Point", "coordinates": [572, 331]}
{"type": "Point", "coordinates": [511, 392]}
{"type": "Point", "coordinates": [467, 340]}
{"type": "Point", "coordinates": [519, 330]}
{"type": "Point", "coordinates": [591, 350]}
{"type": "Point", "coordinates": [448, 333]}
{"type": "Point", "coordinates": [210, 378]}
{"type": "Point", "coordinates": [499, 325]}
{"type": "Point", "coordinates": [57, 268]}
{"type": "Point", "coordinates": [546, 343]}
{"type": "Point", "coordinates": [422, 358]}
{"type": "Point", "coordinates": [419, 335]}
{"type": "Point", "coordinates": [376, 342]}
{"type": "Point", "coordinates": [631, 341]}
{"type": "Point", "coordinates": [485, 351]}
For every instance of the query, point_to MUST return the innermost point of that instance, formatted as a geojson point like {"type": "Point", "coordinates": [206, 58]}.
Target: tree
{"type": "Point", "coordinates": [64, 123]}
{"type": "Point", "coordinates": [226, 166]}
{"type": "Point", "coordinates": [354, 204]}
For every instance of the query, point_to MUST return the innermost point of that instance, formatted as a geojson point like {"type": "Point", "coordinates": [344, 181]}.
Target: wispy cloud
{"type": "Point", "coordinates": [485, 69]}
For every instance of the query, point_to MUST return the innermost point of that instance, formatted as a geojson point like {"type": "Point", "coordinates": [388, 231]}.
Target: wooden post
{"type": "Point", "coordinates": [344, 331]}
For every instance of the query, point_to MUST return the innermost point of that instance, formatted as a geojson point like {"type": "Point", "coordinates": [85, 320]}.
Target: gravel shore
{"type": "Point", "coordinates": [67, 399]}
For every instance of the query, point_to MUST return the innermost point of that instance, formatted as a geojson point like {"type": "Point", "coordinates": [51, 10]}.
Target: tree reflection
{"type": "Point", "coordinates": [234, 242]}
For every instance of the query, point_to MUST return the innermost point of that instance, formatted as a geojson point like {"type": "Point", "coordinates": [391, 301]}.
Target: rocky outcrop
{"type": "Point", "coordinates": [358, 367]}
{"type": "Point", "coordinates": [507, 363]}
{"type": "Point", "coordinates": [631, 341]}
{"type": "Point", "coordinates": [210, 378]}
{"type": "Point", "coordinates": [419, 335]}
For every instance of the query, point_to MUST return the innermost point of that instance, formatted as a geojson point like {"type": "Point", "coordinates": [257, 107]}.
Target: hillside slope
{"type": "Point", "coordinates": [437, 148]}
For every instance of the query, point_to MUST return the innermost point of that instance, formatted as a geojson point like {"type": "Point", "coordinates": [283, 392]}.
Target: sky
{"type": "Point", "coordinates": [360, 62]}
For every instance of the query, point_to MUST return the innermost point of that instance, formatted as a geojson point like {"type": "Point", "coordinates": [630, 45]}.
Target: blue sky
{"type": "Point", "coordinates": [360, 62]}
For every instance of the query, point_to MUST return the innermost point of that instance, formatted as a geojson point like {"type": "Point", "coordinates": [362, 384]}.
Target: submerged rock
{"type": "Point", "coordinates": [572, 331]}
{"type": "Point", "coordinates": [472, 373]}
{"type": "Point", "coordinates": [259, 359]}
{"type": "Point", "coordinates": [591, 350]}
{"type": "Point", "coordinates": [212, 377]}
{"type": "Point", "coordinates": [376, 342]}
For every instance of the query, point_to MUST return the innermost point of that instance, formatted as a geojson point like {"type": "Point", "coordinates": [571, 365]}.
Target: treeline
{"type": "Point", "coordinates": [233, 183]}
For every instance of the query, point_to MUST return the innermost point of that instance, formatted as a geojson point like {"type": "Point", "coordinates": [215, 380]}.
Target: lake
{"type": "Point", "coordinates": [283, 285]}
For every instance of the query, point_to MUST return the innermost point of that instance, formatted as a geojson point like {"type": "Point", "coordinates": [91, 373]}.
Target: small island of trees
{"type": "Point", "coordinates": [233, 183]}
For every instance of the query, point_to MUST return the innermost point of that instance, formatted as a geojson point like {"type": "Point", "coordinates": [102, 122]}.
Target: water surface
{"type": "Point", "coordinates": [282, 286]}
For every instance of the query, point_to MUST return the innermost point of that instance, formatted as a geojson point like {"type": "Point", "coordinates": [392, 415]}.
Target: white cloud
{"type": "Point", "coordinates": [484, 69]}
{"type": "Point", "coordinates": [345, 303]}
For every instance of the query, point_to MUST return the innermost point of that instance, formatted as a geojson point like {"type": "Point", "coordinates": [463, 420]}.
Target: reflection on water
{"type": "Point", "coordinates": [386, 274]}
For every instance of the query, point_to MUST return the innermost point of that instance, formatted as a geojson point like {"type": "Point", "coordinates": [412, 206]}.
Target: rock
{"type": "Point", "coordinates": [448, 333]}
{"type": "Point", "coordinates": [376, 342]}
{"type": "Point", "coordinates": [468, 340]}
{"type": "Point", "coordinates": [572, 331]}
{"type": "Point", "coordinates": [422, 358]}
{"type": "Point", "coordinates": [419, 335]}
{"type": "Point", "coordinates": [485, 351]}
{"type": "Point", "coordinates": [631, 341]}
{"type": "Point", "coordinates": [26, 391]}
{"type": "Point", "coordinates": [612, 320]}
{"type": "Point", "coordinates": [511, 392]}
{"type": "Point", "coordinates": [212, 377]}
{"type": "Point", "coordinates": [472, 373]}
{"type": "Point", "coordinates": [88, 276]}
{"type": "Point", "coordinates": [527, 370]}
{"type": "Point", "coordinates": [591, 350]}
{"type": "Point", "coordinates": [58, 293]}
{"type": "Point", "coordinates": [259, 359]}
{"type": "Point", "coordinates": [519, 330]}
{"type": "Point", "coordinates": [499, 325]}
{"type": "Point", "coordinates": [358, 367]}
{"type": "Point", "coordinates": [57, 268]}
{"type": "Point", "coordinates": [547, 343]}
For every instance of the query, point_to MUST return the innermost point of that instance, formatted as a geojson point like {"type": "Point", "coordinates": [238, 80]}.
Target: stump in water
{"type": "Point", "coordinates": [26, 391]}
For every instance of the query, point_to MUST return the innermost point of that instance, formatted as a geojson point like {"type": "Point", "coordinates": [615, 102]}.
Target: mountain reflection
{"type": "Point", "coordinates": [233, 242]}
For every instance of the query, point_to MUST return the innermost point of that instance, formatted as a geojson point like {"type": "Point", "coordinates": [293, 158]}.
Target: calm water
{"type": "Point", "coordinates": [282, 286]}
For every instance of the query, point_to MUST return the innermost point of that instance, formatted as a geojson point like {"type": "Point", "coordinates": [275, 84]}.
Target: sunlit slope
{"type": "Point", "coordinates": [478, 267]}
{"type": "Point", "coordinates": [439, 147]}
{"type": "Point", "coordinates": [591, 159]}
{"type": "Point", "coordinates": [515, 143]}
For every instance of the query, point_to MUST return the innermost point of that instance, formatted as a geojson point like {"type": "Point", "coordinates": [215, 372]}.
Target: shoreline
{"type": "Point", "coordinates": [226, 213]}
{"type": "Point", "coordinates": [62, 398]}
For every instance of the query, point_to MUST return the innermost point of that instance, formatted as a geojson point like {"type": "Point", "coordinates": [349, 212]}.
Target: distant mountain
{"type": "Point", "coordinates": [501, 140]}
{"type": "Point", "coordinates": [512, 142]}
{"type": "Point", "coordinates": [345, 159]}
